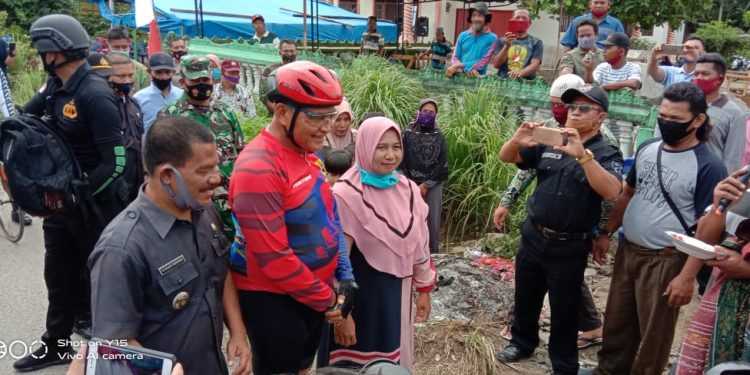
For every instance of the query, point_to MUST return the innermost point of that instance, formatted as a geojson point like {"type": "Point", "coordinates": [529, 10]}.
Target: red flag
{"type": "Point", "coordinates": [154, 39]}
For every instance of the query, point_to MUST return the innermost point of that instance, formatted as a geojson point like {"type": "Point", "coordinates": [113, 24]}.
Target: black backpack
{"type": "Point", "coordinates": [43, 174]}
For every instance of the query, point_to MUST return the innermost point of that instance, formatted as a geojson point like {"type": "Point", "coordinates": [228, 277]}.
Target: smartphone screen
{"type": "Point", "coordinates": [103, 359]}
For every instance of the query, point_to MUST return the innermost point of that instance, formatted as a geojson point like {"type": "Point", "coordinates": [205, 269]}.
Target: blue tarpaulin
{"type": "Point", "coordinates": [280, 17]}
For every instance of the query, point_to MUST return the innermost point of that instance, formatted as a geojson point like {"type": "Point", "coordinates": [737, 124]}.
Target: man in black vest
{"type": "Point", "coordinates": [82, 107]}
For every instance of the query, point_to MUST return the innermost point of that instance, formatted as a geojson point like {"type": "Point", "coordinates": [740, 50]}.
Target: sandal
{"type": "Point", "coordinates": [588, 342]}
{"type": "Point", "coordinates": [505, 333]}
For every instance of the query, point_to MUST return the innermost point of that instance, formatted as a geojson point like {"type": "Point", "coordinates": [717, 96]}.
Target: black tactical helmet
{"type": "Point", "coordinates": [59, 33]}
{"type": "Point", "coordinates": [483, 10]}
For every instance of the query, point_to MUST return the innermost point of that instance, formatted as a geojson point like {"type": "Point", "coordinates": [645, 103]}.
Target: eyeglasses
{"type": "Point", "coordinates": [318, 119]}
{"type": "Point", "coordinates": [583, 108]}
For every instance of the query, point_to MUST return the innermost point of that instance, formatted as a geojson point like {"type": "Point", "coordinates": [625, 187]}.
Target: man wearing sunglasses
{"type": "Point", "coordinates": [287, 215]}
{"type": "Point", "coordinates": [589, 322]}
{"type": "Point", "coordinates": [563, 214]}
{"type": "Point", "coordinates": [197, 104]}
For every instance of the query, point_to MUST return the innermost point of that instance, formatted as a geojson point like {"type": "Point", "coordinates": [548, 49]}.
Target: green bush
{"type": "Point", "coordinates": [721, 37]}
{"type": "Point", "coordinates": [477, 123]}
{"type": "Point", "coordinates": [371, 84]}
{"type": "Point", "coordinates": [251, 126]}
{"type": "Point", "coordinates": [26, 76]}
{"type": "Point", "coordinates": [642, 44]}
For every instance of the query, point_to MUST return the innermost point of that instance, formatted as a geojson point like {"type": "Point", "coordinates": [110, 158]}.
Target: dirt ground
{"type": "Point", "coordinates": [463, 334]}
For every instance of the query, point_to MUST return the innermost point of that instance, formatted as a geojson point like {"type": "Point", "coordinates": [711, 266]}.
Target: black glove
{"type": "Point", "coordinates": [347, 289]}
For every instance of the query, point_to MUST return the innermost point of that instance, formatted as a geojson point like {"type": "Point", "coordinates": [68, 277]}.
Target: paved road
{"type": "Point", "coordinates": [23, 302]}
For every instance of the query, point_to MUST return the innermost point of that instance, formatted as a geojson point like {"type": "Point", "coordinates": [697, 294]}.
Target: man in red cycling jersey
{"type": "Point", "coordinates": [287, 215]}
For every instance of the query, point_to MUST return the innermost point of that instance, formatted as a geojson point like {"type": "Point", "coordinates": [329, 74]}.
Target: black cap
{"type": "Point", "coordinates": [160, 61]}
{"type": "Point", "coordinates": [100, 64]}
{"type": "Point", "coordinates": [617, 39]}
{"type": "Point", "coordinates": [593, 93]}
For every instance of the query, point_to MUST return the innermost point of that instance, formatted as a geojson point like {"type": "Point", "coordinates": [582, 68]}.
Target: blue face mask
{"type": "Point", "coordinates": [380, 181]}
{"type": "Point", "coordinates": [217, 74]}
{"type": "Point", "coordinates": [182, 198]}
{"type": "Point", "coordinates": [587, 42]}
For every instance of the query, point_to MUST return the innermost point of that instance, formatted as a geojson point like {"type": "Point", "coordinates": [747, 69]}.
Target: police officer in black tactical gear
{"type": "Point", "coordinates": [82, 107]}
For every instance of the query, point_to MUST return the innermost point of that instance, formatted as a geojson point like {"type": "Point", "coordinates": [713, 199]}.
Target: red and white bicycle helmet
{"type": "Point", "coordinates": [305, 84]}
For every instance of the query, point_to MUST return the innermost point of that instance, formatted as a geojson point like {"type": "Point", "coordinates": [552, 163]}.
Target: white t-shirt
{"type": "Point", "coordinates": [605, 74]}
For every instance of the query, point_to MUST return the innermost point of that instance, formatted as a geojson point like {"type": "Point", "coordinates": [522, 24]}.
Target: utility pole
{"type": "Point", "coordinates": [112, 8]}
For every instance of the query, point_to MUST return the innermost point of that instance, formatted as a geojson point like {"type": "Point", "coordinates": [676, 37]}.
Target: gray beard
{"type": "Point", "coordinates": [476, 27]}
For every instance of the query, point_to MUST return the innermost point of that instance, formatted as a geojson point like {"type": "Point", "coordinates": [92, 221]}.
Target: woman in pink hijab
{"type": "Point", "coordinates": [384, 220]}
{"type": "Point", "coordinates": [342, 136]}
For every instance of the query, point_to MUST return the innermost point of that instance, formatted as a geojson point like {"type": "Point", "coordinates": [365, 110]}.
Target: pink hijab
{"type": "Point", "coordinates": [389, 226]}
{"type": "Point", "coordinates": [340, 143]}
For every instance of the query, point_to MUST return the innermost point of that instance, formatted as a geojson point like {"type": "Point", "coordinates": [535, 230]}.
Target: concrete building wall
{"type": "Point", "coordinates": [660, 34]}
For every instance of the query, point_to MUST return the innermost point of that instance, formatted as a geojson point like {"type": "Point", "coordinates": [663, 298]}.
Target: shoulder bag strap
{"type": "Point", "coordinates": [667, 198]}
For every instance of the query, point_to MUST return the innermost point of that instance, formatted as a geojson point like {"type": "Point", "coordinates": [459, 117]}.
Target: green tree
{"type": "Point", "coordinates": [24, 12]}
{"type": "Point", "coordinates": [721, 37]}
{"type": "Point", "coordinates": [728, 11]}
{"type": "Point", "coordinates": [647, 13]}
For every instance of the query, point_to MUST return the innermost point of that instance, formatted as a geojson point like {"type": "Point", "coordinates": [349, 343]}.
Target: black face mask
{"type": "Point", "coordinates": [672, 132]}
{"type": "Point", "coordinates": [161, 84]}
{"type": "Point", "coordinates": [201, 91]}
{"type": "Point", "coordinates": [178, 54]}
{"type": "Point", "coordinates": [124, 88]}
{"type": "Point", "coordinates": [51, 67]}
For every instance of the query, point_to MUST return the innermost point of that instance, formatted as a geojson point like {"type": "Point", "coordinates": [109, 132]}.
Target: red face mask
{"type": "Point", "coordinates": [615, 59]}
{"type": "Point", "coordinates": [560, 113]}
{"type": "Point", "coordinates": [522, 26]}
{"type": "Point", "coordinates": [708, 85]}
{"type": "Point", "coordinates": [599, 13]}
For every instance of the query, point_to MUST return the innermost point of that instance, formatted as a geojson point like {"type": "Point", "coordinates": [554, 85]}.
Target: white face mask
{"type": "Point", "coordinates": [125, 52]}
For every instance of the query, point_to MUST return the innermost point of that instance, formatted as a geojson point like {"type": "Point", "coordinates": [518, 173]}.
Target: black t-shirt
{"type": "Point", "coordinates": [84, 110]}
{"type": "Point", "coordinates": [563, 199]}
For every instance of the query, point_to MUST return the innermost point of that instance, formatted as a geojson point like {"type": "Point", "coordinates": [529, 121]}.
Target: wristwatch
{"type": "Point", "coordinates": [587, 155]}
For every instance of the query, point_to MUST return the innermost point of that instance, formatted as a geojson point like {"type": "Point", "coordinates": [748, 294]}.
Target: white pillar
{"type": "Point", "coordinates": [528, 113]}
{"type": "Point", "coordinates": [626, 137]}
{"type": "Point", "coordinates": [367, 7]}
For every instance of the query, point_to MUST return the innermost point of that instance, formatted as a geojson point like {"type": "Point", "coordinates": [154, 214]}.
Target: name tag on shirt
{"type": "Point", "coordinates": [172, 264]}
{"type": "Point", "coordinates": [552, 155]}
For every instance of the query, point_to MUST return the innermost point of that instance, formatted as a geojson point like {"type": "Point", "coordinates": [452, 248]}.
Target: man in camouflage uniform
{"type": "Point", "coordinates": [197, 104]}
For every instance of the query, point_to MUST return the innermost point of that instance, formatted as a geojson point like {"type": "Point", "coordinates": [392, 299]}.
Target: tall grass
{"type": "Point", "coordinates": [477, 123]}
{"type": "Point", "coordinates": [26, 77]}
{"type": "Point", "coordinates": [371, 84]}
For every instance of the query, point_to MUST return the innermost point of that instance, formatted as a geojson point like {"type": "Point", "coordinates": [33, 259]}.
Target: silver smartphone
{"type": "Point", "coordinates": [106, 359]}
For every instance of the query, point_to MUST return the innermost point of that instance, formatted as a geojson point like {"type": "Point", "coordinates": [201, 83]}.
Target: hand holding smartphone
{"type": "Point", "coordinates": [671, 49]}
{"type": "Point", "coordinates": [106, 359]}
{"type": "Point", "coordinates": [12, 48]}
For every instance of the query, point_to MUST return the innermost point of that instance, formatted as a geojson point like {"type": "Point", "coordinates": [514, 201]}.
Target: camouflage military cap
{"type": "Point", "coordinates": [194, 67]}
